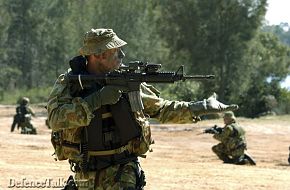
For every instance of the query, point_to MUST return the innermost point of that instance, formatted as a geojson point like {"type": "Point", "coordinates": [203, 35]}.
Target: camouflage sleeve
{"type": "Point", "coordinates": [65, 111]}
{"type": "Point", "coordinates": [225, 134]}
{"type": "Point", "coordinates": [31, 111]}
{"type": "Point", "coordinates": [165, 111]}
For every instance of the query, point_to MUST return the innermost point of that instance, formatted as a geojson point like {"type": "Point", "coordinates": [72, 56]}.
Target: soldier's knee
{"type": "Point", "coordinates": [215, 149]}
{"type": "Point", "coordinates": [238, 152]}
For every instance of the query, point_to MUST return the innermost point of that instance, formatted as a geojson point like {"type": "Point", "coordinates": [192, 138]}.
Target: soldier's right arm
{"type": "Point", "coordinates": [31, 111]}
{"type": "Point", "coordinates": [65, 111]}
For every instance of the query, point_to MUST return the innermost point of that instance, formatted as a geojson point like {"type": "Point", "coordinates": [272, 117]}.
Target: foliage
{"type": "Point", "coordinates": [35, 95]}
{"type": "Point", "coordinates": [269, 63]}
{"type": "Point", "coordinates": [221, 29]}
{"type": "Point", "coordinates": [185, 91]}
{"type": "Point", "coordinates": [282, 31]}
{"type": "Point", "coordinates": [284, 102]}
{"type": "Point", "coordinates": [224, 37]}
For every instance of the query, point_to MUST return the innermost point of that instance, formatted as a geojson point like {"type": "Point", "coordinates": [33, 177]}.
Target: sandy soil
{"type": "Point", "coordinates": [181, 159]}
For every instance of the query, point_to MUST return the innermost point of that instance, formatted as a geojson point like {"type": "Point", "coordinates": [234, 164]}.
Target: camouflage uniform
{"type": "Point", "coordinates": [70, 115]}
{"type": "Point", "coordinates": [233, 142]}
{"type": "Point", "coordinates": [23, 117]}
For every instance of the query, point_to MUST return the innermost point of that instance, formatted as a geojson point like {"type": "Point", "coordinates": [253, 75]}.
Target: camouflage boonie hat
{"type": "Point", "coordinates": [97, 41]}
{"type": "Point", "coordinates": [230, 115]}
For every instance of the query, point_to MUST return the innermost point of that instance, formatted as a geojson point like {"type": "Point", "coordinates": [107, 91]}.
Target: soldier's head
{"type": "Point", "coordinates": [102, 48]}
{"type": "Point", "coordinates": [24, 101]}
{"type": "Point", "coordinates": [229, 117]}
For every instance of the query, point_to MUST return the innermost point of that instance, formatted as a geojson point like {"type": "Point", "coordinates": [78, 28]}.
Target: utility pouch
{"type": "Point", "coordinates": [56, 142]}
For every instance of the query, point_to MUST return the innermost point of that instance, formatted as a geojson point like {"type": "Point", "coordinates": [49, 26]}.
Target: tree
{"type": "Point", "coordinates": [21, 39]}
{"type": "Point", "coordinates": [282, 31]}
{"type": "Point", "coordinates": [269, 65]}
{"type": "Point", "coordinates": [213, 36]}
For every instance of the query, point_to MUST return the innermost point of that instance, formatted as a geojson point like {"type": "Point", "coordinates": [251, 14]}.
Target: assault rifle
{"type": "Point", "coordinates": [212, 130]}
{"type": "Point", "coordinates": [131, 76]}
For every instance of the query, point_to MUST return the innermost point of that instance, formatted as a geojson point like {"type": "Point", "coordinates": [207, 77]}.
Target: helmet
{"type": "Point", "coordinates": [97, 41]}
{"type": "Point", "coordinates": [230, 115]}
{"type": "Point", "coordinates": [24, 100]}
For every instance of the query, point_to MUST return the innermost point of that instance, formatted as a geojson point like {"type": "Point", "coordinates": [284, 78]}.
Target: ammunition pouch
{"type": "Point", "coordinates": [65, 149]}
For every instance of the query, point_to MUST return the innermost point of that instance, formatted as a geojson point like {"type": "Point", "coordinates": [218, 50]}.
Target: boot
{"type": "Point", "coordinates": [240, 160]}
{"type": "Point", "coordinates": [228, 161]}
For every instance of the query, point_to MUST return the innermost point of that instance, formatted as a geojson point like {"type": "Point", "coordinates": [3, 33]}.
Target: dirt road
{"type": "Point", "coordinates": [181, 159]}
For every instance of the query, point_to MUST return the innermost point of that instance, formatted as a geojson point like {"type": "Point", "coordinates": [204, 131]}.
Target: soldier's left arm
{"type": "Point", "coordinates": [165, 111]}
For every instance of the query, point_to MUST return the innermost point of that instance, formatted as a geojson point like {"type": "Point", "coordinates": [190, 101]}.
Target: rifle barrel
{"type": "Point", "coordinates": [199, 77]}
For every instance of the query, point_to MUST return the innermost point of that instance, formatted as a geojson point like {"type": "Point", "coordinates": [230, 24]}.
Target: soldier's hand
{"type": "Point", "coordinates": [210, 106]}
{"type": "Point", "coordinates": [107, 95]}
{"type": "Point", "coordinates": [214, 106]}
{"type": "Point", "coordinates": [110, 94]}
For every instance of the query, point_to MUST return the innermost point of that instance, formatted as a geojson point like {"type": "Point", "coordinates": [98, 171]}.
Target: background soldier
{"type": "Point", "coordinates": [233, 142]}
{"type": "Point", "coordinates": [94, 127]}
{"type": "Point", "coordinates": [23, 117]}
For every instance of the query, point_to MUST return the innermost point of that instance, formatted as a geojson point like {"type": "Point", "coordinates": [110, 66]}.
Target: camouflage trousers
{"type": "Point", "coordinates": [116, 177]}
{"type": "Point", "coordinates": [27, 128]}
{"type": "Point", "coordinates": [227, 154]}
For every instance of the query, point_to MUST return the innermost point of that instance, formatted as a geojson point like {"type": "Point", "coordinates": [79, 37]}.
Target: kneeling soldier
{"type": "Point", "coordinates": [232, 146]}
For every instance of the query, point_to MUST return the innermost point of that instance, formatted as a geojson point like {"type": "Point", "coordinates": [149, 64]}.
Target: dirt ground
{"type": "Point", "coordinates": [181, 159]}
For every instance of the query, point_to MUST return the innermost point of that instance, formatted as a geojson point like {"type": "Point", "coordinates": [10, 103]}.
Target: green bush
{"type": "Point", "coordinates": [284, 102]}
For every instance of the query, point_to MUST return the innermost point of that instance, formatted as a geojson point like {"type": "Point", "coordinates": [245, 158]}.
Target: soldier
{"type": "Point", "coordinates": [23, 117]}
{"type": "Point", "coordinates": [94, 128]}
{"type": "Point", "coordinates": [233, 142]}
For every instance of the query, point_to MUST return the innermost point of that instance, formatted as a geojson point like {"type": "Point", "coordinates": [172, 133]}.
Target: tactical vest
{"type": "Point", "coordinates": [115, 135]}
{"type": "Point", "coordinates": [238, 132]}
{"type": "Point", "coordinates": [237, 138]}
{"type": "Point", "coordinates": [21, 112]}
{"type": "Point", "coordinates": [106, 140]}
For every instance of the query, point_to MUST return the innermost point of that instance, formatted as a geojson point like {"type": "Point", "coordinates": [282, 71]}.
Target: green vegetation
{"type": "Point", "coordinates": [228, 38]}
{"type": "Point", "coordinates": [36, 95]}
